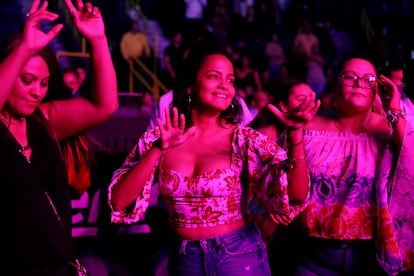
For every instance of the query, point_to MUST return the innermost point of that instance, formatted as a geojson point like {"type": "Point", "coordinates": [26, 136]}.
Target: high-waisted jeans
{"type": "Point", "coordinates": [239, 253]}
{"type": "Point", "coordinates": [327, 257]}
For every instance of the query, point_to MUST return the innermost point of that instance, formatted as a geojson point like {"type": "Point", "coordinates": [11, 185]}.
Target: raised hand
{"type": "Point", "coordinates": [87, 19]}
{"type": "Point", "coordinates": [34, 38]}
{"type": "Point", "coordinates": [388, 91]}
{"type": "Point", "coordinates": [299, 116]}
{"type": "Point", "coordinates": [173, 133]}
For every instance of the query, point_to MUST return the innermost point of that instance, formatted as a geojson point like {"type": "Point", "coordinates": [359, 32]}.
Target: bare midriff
{"type": "Point", "coordinates": [205, 232]}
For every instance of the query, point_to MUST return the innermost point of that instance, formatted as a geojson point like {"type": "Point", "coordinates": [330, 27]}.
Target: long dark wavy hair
{"type": "Point", "coordinates": [75, 149]}
{"type": "Point", "coordinates": [186, 78]}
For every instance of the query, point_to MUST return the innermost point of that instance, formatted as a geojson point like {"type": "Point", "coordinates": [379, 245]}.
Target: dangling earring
{"type": "Point", "coordinates": [189, 100]}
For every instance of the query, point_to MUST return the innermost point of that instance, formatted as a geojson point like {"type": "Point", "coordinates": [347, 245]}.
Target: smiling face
{"type": "Point", "coordinates": [214, 86]}
{"type": "Point", "coordinates": [357, 93]}
{"type": "Point", "coordinates": [30, 87]}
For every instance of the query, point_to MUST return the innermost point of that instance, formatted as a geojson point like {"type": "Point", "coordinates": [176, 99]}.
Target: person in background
{"type": "Point", "coordinates": [395, 71]}
{"type": "Point", "coordinates": [84, 86]}
{"type": "Point", "coordinates": [247, 76]}
{"type": "Point", "coordinates": [276, 57]}
{"type": "Point", "coordinates": [358, 220]}
{"type": "Point", "coordinates": [75, 149]}
{"type": "Point", "coordinates": [134, 43]}
{"type": "Point", "coordinates": [222, 166]}
{"type": "Point", "coordinates": [303, 43]}
{"type": "Point", "coordinates": [173, 56]}
{"type": "Point", "coordinates": [194, 24]}
{"type": "Point", "coordinates": [71, 79]}
{"type": "Point", "coordinates": [260, 99]}
{"type": "Point", "coordinates": [36, 195]}
{"type": "Point", "coordinates": [289, 94]}
{"type": "Point", "coordinates": [315, 74]}
{"type": "Point", "coordinates": [146, 105]}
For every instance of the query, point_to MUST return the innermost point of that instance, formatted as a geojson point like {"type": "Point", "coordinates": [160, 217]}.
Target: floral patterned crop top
{"type": "Point", "coordinates": [216, 197]}
{"type": "Point", "coordinates": [210, 199]}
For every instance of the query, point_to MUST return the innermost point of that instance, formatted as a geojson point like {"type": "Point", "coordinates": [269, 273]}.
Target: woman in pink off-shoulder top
{"type": "Point", "coordinates": [358, 220]}
{"type": "Point", "coordinates": [209, 167]}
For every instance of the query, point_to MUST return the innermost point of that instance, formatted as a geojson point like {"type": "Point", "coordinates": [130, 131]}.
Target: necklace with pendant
{"type": "Point", "coordinates": [24, 151]}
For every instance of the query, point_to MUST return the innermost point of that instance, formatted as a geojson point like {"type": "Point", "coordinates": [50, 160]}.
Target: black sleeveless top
{"type": "Point", "coordinates": [35, 202]}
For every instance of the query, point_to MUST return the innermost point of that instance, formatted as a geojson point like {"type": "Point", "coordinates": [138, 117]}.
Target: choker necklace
{"type": "Point", "coordinates": [9, 121]}
{"type": "Point", "coordinates": [361, 129]}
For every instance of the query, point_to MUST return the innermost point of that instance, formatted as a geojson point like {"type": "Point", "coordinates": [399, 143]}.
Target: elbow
{"type": "Point", "coordinates": [113, 107]}
{"type": "Point", "coordinates": [116, 205]}
{"type": "Point", "coordinates": [108, 110]}
{"type": "Point", "coordinates": [115, 201]}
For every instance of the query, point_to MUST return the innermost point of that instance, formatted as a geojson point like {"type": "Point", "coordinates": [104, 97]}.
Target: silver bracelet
{"type": "Point", "coordinates": [394, 116]}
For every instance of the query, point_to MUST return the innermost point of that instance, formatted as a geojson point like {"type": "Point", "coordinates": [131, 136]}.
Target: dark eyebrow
{"type": "Point", "coordinates": [349, 71]}
{"type": "Point", "coordinates": [218, 72]}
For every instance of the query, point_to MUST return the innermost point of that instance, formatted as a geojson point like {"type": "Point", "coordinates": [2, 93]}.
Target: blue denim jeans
{"type": "Point", "coordinates": [335, 258]}
{"type": "Point", "coordinates": [240, 253]}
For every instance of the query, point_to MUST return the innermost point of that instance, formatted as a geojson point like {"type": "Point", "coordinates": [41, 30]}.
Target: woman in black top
{"type": "Point", "coordinates": [35, 198]}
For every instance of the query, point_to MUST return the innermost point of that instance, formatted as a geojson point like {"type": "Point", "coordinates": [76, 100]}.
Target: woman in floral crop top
{"type": "Point", "coordinates": [358, 221]}
{"type": "Point", "coordinates": [209, 167]}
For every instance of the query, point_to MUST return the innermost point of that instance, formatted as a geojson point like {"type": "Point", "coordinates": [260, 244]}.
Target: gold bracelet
{"type": "Point", "coordinates": [291, 163]}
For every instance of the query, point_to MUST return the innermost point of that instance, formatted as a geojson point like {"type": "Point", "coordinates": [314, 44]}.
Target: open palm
{"type": "Point", "coordinates": [87, 19]}
{"type": "Point", "coordinates": [173, 133]}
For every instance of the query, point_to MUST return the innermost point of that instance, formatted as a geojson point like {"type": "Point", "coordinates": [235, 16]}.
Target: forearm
{"type": "Point", "coordinates": [104, 84]}
{"type": "Point", "coordinates": [132, 183]}
{"type": "Point", "coordinates": [297, 170]}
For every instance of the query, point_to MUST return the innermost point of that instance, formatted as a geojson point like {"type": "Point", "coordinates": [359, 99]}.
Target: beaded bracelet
{"type": "Point", "coordinates": [393, 116]}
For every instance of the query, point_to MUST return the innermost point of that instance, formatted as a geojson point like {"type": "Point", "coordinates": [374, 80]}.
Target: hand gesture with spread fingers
{"type": "Point", "coordinates": [34, 38]}
{"type": "Point", "coordinates": [173, 133]}
{"type": "Point", "coordinates": [299, 116]}
{"type": "Point", "coordinates": [87, 19]}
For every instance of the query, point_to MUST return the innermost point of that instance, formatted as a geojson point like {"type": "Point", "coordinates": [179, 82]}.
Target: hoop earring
{"type": "Point", "coordinates": [229, 112]}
